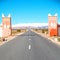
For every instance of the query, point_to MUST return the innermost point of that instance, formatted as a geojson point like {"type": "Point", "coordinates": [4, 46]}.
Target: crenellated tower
{"type": "Point", "coordinates": [6, 25]}
{"type": "Point", "coordinates": [52, 25]}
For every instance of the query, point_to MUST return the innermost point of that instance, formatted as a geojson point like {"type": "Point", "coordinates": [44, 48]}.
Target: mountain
{"type": "Point", "coordinates": [30, 25]}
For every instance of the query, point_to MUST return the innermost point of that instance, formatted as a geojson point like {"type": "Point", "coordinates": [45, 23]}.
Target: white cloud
{"type": "Point", "coordinates": [30, 24]}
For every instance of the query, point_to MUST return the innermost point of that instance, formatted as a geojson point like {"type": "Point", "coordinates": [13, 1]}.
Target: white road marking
{"type": "Point", "coordinates": [29, 47]}
{"type": "Point", "coordinates": [26, 55]}
{"type": "Point", "coordinates": [29, 39]}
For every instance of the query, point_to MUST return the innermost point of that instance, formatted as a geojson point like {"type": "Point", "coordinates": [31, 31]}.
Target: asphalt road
{"type": "Point", "coordinates": [29, 46]}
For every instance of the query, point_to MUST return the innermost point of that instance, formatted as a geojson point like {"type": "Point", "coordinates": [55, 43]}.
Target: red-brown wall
{"type": "Point", "coordinates": [52, 25]}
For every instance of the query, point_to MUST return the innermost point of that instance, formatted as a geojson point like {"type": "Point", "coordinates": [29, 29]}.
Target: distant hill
{"type": "Point", "coordinates": [30, 25]}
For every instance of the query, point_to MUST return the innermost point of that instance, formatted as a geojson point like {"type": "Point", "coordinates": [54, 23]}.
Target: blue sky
{"type": "Point", "coordinates": [29, 11]}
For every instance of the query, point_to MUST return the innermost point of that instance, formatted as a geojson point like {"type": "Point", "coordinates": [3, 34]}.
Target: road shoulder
{"type": "Point", "coordinates": [48, 38]}
{"type": "Point", "coordinates": [10, 38]}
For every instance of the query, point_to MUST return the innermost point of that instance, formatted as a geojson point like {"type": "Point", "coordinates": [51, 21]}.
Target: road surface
{"type": "Point", "coordinates": [29, 46]}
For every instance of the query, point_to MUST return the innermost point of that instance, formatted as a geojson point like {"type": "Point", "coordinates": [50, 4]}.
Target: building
{"type": "Point", "coordinates": [52, 25]}
{"type": "Point", "coordinates": [58, 30]}
{"type": "Point", "coordinates": [0, 31]}
{"type": "Point", "coordinates": [6, 29]}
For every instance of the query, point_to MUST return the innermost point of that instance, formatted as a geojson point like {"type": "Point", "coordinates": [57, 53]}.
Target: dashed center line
{"type": "Point", "coordinates": [29, 39]}
{"type": "Point", "coordinates": [29, 47]}
{"type": "Point", "coordinates": [26, 55]}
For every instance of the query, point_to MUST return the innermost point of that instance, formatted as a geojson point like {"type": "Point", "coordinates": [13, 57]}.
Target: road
{"type": "Point", "coordinates": [29, 46]}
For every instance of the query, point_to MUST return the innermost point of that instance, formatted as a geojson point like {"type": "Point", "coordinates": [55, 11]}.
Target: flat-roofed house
{"type": "Point", "coordinates": [58, 29]}
{"type": "Point", "coordinates": [0, 31]}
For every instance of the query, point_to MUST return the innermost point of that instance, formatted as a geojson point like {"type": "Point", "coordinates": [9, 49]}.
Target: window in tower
{"type": "Point", "coordinates": [5, 26]}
